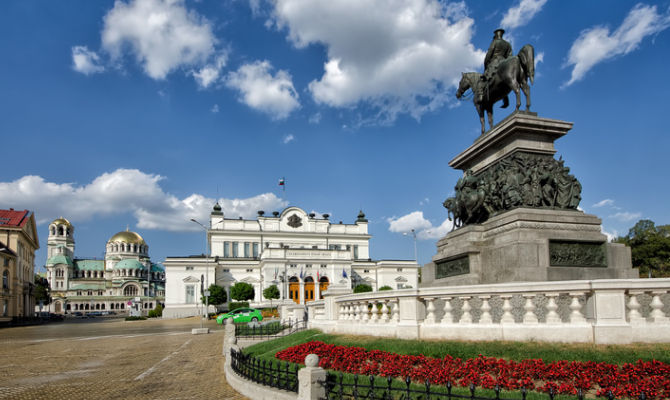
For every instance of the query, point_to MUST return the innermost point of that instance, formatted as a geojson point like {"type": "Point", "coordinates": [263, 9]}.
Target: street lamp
{"type": "Point", "coordinates": [413, 233]}
{"type": "Point", "coordinates": [206, 291]}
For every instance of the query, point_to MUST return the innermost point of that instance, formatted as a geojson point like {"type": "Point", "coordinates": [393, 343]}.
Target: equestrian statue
{"type": "Point", "coordinates": [503, 72]}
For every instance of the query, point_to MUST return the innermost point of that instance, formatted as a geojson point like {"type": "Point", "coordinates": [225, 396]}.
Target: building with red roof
{"type": "Point", "coordinates": [18, 243]}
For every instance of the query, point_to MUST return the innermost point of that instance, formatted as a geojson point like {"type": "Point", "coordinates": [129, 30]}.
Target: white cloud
{"type": "Point", "coordinates": [626, 216]}
{"type": "Point", "coordinates": [315, 118]}
{"type": "Point", "coordinates": [215, 108]}
{"type": "Point", "coordinates": [436, 232]}
{"type": "Point", "coordinates": [396, 55]}
{"type": "Point", "coordinates": [86, 61]}
{"type": "Point", "coordinates": [273, 95]}
{"type": "Point", "coordinates": [288, 138]}
{"type": "Point", "coordinates": [163, 35]}
{"type": "Point", "coordinates": [602, 203]}
{"type": "Point", "coordinates": [125, 191]}
{"type": "Point", "coordinates": [522, 13]}
{"type": "Point", "coordinates": [610, 235]}
{"type": "Point", "coordinates": [423, 228]}
{"type": "Point", "coordinates": [597, 44]}
{"type": "Point", "coordinates": [539, 57]}
{"type": "Point", "coordinates": [210, 73]}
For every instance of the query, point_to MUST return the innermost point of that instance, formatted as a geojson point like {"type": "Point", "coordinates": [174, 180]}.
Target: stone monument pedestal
{"type": "Point", "coordinates": [544, 242]}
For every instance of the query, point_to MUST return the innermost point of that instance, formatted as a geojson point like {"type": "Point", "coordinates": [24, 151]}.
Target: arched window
{"type": "Point", "coordinates": [5, 279]}
{"type": "Point", "coordinates": [61, 232]}
{"type": "Point", "coordinates": [130, 290]}
{"type": "Point", "coordinates": [53, 230]}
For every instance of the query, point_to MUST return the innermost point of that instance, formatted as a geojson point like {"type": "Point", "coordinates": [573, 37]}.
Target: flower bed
{"type": "Point", "coordinates": [628, 380]}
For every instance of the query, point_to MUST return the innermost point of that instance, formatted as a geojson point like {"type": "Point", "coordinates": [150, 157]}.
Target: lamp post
{"type": "Point", "coordinates": [206, 288]}
{"type": "Point", "coordinates": [413, 233]}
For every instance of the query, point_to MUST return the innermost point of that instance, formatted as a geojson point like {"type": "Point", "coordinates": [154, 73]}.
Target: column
{"type": "Point", "coordinates": [302, 292]}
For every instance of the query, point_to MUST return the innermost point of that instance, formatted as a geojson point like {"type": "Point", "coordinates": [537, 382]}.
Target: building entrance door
{"type": "Point", "coordinates": [294, 291]}
{"type": "Point", "coordinates": [309, 289]}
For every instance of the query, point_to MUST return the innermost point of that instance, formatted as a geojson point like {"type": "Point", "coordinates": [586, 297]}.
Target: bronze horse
{"type": "Point", "coordinates": [512, 74]}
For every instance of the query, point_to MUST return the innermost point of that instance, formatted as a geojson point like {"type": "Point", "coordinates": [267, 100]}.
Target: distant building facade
{"type": "Point", "coordinates": [126, 278]}
{"type": "Point", "coordinates": [299, 253]}
{"type": "Point", "coordinates": [18, 243]}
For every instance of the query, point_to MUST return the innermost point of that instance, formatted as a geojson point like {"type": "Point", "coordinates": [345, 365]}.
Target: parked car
{"type": "Point", "coordinates": [241, 315]}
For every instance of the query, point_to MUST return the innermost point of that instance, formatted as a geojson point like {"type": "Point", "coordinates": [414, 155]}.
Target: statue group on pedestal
{"type": "Point", "coordinates": [503, 72]}
{"type": "Point", "coordinates": [519, 180]}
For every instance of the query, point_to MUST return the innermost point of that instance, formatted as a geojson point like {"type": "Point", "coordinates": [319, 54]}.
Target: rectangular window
{"type": "Point", "coordinates": [190, 294]}
{"type": "Point", "coordinates": [355, 252]}
{"type": "Point", "coordinates": [5, 262]}
{"type": "Point", "coordinates": [235, 245]}
{"type": "Point", "coordinates": [323, 265]}
{"type": "Point", "coordinates": [308, 266]}
{"type": "Point", "coordinates": [250, 270]}
{"type": "Point", "coordinates": [226, 249]}
{"type": "Point", "coordinates": [367, 271]}
{"type": "Point", "coordinates": [293, 265]}
{"type": "Point", "coordinates": [255, 253]}
{"type": "Point", "coordinates": [189, 268]}
{"type": "Point", "coordinates": [226, 270]}
{"type": "Point", "coordinates": [247, 249]}
{"type": "Point", "coordinates": [399, 269]}
{"type": "Point", "coordinates": [78, 292]}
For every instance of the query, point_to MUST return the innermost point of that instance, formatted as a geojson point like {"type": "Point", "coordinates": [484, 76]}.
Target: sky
{"type": "Point", "coordinates": [141, 114]}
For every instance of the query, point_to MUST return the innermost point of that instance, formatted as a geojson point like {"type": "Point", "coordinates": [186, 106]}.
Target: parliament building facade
{"type": "Point", "coordinates": [302, 254]}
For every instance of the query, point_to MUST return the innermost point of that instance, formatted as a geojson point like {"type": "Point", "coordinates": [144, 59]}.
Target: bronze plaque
{"type": "Point", "coordinates": [577, 254]}
{"type": "Point", "coordinates": [453, 267]}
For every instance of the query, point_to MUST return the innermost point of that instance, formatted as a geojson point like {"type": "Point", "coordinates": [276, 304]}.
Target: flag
{"type": "Point", "coordinates": [275, 273]}
{"type": "Point", "coordinates": [282, 182]}
{"type": "Point", "coordinates": [300, 272]}
{"type": "Point", "coordinates": [317, 276]}
{"type": "Point", "coordinates": [344, 273]}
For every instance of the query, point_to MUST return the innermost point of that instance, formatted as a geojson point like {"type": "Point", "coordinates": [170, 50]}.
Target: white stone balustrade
{"type": "Point", "coordinates": [598, 311]}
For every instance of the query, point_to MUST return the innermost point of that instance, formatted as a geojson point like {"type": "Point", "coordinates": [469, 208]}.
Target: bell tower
{"type": "Point", "coordinates": [61, 238]}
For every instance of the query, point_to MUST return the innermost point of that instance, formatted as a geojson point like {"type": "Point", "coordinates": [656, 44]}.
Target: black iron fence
{"type": "Point", "coordinates": [270, 330]}
{"type": "Point", "coordinates": [345, 387]}
{"type": "Point", "coordinates": [278, 374]}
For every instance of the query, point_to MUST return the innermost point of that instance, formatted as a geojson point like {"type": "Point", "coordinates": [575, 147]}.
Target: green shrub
{"type": "Point", "coordinates": [136, 318]}
{"type": "Point", "coordinates": [385, 287]}
{"type": "Point", "coordinates": [152, 314]}
{"type": "Point", "coordinates": [156, 312]}
{"type": "Point", "coordinates": [242, 291]}
{"type": "Point", "coordinates": [362, 288]}
{"type": "Point", "coordinates": [237, 304]}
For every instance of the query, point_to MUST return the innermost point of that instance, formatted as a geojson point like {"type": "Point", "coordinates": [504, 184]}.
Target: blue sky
{"type": "Point", "coordinates": [143, 113]}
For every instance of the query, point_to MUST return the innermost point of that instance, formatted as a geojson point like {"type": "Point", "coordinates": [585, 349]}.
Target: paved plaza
{"type": "Point", "coordinates": [113, 359]}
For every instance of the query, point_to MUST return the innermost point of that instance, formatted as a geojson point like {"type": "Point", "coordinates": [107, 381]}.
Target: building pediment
{"type": "Point", "coordinates": [368, 279]}
{"type": "Point", "coordinates": [401, 279]}
{"type": "Point", "coordinates": [191, 279]}
{"type": "Point", "coordinates": [250, 279]}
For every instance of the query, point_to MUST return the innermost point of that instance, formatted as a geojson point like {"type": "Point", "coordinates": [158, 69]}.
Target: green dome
{"type": "Point", "coordinates": [59, 259]}
{"type": "Point", "coordinates": [157, 268]}
{"type": "Point", "coordinates": [129, 263]}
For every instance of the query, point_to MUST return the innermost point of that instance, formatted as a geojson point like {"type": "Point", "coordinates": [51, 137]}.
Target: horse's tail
{"type": "Point", "coordinates": [527, 58]}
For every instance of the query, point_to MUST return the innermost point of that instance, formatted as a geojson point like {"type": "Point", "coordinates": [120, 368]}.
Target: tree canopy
{"type": "Point", "coordinates": [242, 291]}
{"type": "Point", "coordinates": [42, 290]}
{"type": "Point", "coordinates": [217, 295]}
{"type": "Point", "coordinates": [362, 288]}
{"type": "Point", "coordinates": [650, 248]}
{"type": "Point", "coordinates": [271, 292]}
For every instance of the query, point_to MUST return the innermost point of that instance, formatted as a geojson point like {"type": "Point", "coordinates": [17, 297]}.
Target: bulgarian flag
{"type": "Point", "coordinates": [282, 183]}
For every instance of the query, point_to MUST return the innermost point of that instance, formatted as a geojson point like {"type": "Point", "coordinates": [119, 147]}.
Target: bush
{"type": "Point", "coordinates": [385, 287]}
{"type": "Point", "coordinates": [242, 291]}
{"type": "Point", "coordinates": [237, 304]}
{"type": "Point", "coordinates": [136, 318]}
{"type": "Point", "coordinates": [156, 312]}
{"type": "Point", "coordinates": [362, 288]}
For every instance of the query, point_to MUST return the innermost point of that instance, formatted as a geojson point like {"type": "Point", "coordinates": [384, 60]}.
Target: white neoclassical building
{"type": "Point", "coordinates": [302, 254]}
{"type": "Point", "coordinates": [125, 277]}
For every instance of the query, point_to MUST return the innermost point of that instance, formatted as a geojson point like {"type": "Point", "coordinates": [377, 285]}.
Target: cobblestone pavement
{"type": "Point", "coordinates": [113, 360]}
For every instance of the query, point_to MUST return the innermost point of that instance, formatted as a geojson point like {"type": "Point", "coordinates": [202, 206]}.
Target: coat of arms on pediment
{"type": "Point", "coordinates": [294, 221]}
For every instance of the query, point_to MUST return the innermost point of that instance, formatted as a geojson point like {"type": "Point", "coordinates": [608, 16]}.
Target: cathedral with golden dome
{"type": "Point", "coordinates": [125, 281]}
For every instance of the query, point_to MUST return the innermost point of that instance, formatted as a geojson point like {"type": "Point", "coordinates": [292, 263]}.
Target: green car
{"type": "Point", "coordinates": [241, 315]}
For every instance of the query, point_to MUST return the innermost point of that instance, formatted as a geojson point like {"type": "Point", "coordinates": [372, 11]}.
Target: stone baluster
{"type": "Point", "coordinates": [364, 309]}
{"type": "Point", "coordinates": [430, 310]}
{"type": "Point", "coordinates": [529, 317]}
{"type": "Point", "coordinates": [485, 317]}
{"type": "Point", "coordinates": [466, 318]}
{"type": "Point", "coordinates": [356, 311]}
{"type": "Point", "coordinates": [395, 311]}
{"type": "Point", "coordinates": [576, 315]}
{"type": "Point", "coordinates": [657, 314]}
{"type": "Point", "coordinates": [385, 310]}
{"type": "Point", "coordinates": [447, 318]}
{"type": "Point", "coordinates": [507, 317]}
{"type": "Point", "coordinates": [634, 316]}
{"type": "Point", "coordinates": [349, 311]}
{"type": "Point", "coordinates": [341, 315]}
{"type": "Point", "coordinates": [374, 316]}
{"type": "Point", "coordinates": [552, 315]}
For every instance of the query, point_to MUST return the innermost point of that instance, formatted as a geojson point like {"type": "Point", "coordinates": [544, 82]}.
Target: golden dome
{"type": "Point", "coordinates": [127, 237]}
{"type": "Point", "coordinates": [61, 221]}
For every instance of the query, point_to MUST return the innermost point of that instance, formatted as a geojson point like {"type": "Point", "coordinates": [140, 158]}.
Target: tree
{"type": "Point", "coordinates": [42, 290]}
{"type": "Point", "coordinates": [362, 288]}
{"type": "Point", "coordinates": [271, 293]}
{"type": "Point", "coordinates": [242, 291]}
{"type": "Point", "coordinates": [650, 248]}
{"type": "Point", "coordinates": [217, 295]}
